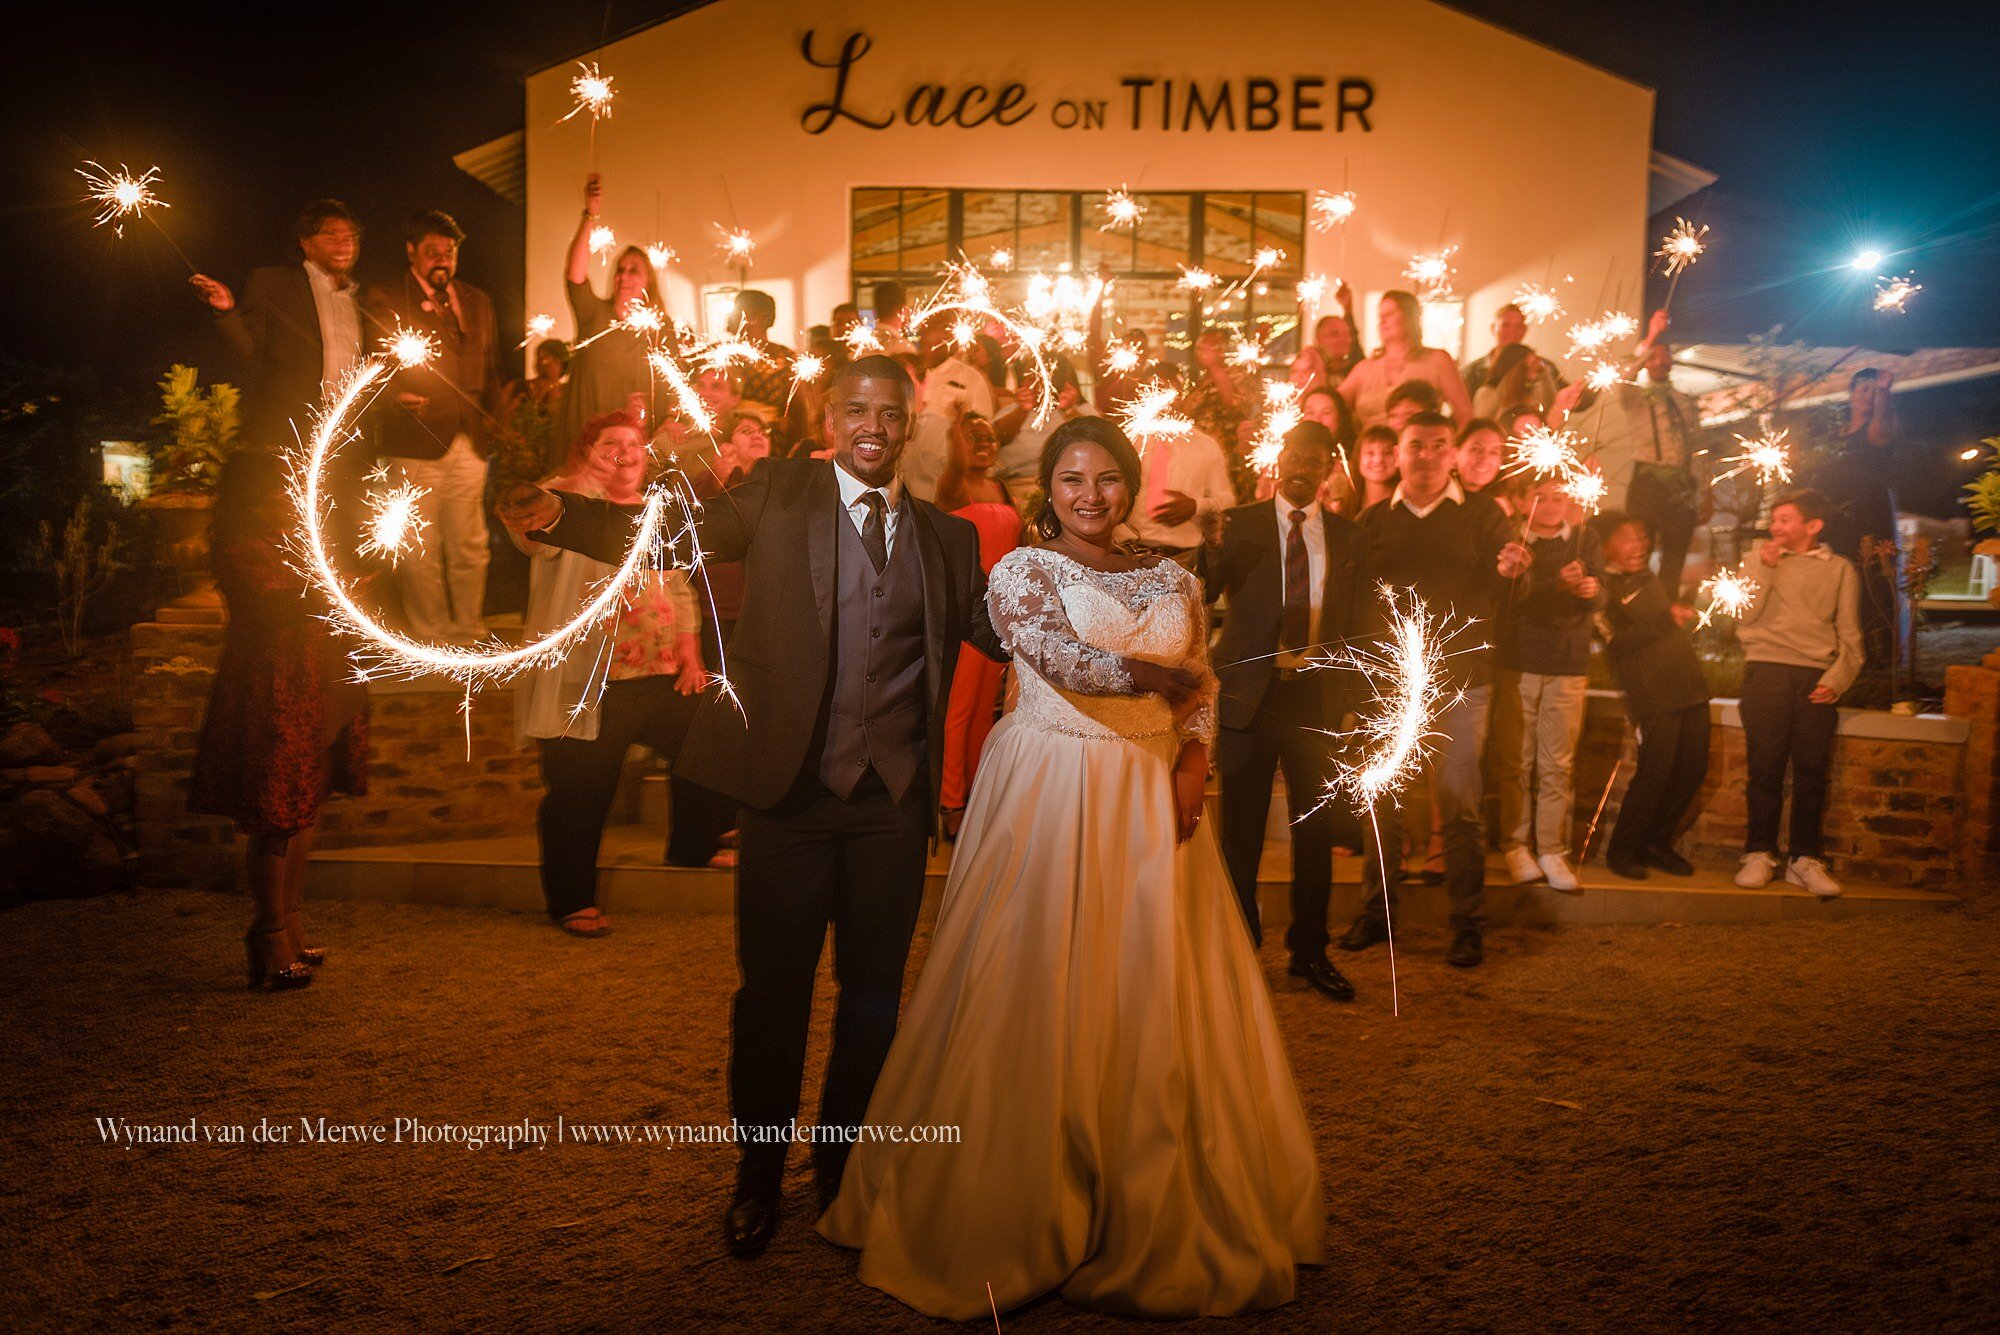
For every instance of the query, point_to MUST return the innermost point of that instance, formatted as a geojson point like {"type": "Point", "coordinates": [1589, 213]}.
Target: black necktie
{"type": "Point", "coordinates": [1297, 625]}
{"type": "Point", "coordinates": [875, 529]}
{"type": "Point", "coordinates": [447, 314]}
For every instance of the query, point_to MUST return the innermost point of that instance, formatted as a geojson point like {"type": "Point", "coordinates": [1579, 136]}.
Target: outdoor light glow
{"type": "Point", "coordinates": [1866, 260]}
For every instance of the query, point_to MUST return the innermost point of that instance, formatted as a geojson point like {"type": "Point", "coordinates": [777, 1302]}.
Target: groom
{"type": "Point", "coordinates": [1296, 577]}
{"type": "Point", "coordinates": [857, 596]}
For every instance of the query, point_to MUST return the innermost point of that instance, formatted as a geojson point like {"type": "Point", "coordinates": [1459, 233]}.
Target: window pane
{"type": "Point", "coordinates": [1281, 222]}
{"type": "Point", "coordinates": [1226, 228]}
{"type": "Point", "coordinates": [1164, 235]}
{"type": "Point", "coordinates": [989, 223]}
{"type": "Point", "coordinates": [876, 227]}
{"type": "Point", "coordinates": [1044, 240]}
{"type": "Point", "coordinates": [926, 216]}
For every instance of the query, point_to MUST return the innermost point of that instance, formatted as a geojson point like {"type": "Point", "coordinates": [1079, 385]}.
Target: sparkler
{"type": "Point", "coordinates": [861, 340]}
{"type": "Point", "coordinates": [602, 240]}
{"type": "Point", "coordinates": [386, 652]}
{"type": "Point", "coordinates": [410, 347]}
{"type": "Point", "coordinates": [1330, 209]}
{"type": "Point", "coordinates": [1588, 337]}
{"type": "Point", "coordinates": [1001, 258]}
{"type": "Point", "coordinates": [1433, 271]}
{"type": "Point", "coordinates": [395, 524]}
{"type": "Point", "coordinates": [1196, 279]}
{"type": "Point", "coordinates": [1681, 247]}
{"type": "Point", "coordinates": [1310, 289]}
{"type": "Point", "coordinates": [593, 90]}
{"type": "Point", "coordinates": [1408, 684]}
{"type": "Point", "coordinates": [1729, 594]}
{"type": "Point", "coordinates": [1123, 359]}
{"type": "Point", "coordinates": [737, 245]}
{"type": "Point", "coordinates": [1121, 211]}
{"type": "Point", "coordinates": [1266, 257]}
{"type": "Point", "coordinates": [1246, 352]}
{"type": "Point", "coordinates": [1618, 324]}
{"type": "Point", "coordinates": [643, 318]}
{"type": "Point", "coordinates": [974, 301]}
{"type": "Point", "coordinates": [660, 255]}
{"type": "Point", "coordinates": [1547, 452]}
{"type": "Point", "coordinates": [1538, 303]}
{"type": "Point", "coordinates": [1894, 293]}
{"type": "Point", "coordinates": [1768, 456]}
{"type": "Point", "coordinates": [1603, 376]}
{"type": "Point", "coordinates": [1150, 414]}
{"type": "Point", "coordinates": [807, 367]}
{"type": "Point", "coordinates": [685, 397]}
{"type": "Point", "coordinates": [539, 327]}
{"type": "Point", "coordinates": [1281, 414]}
{"type": "Point", "coordinates": [119, 194]}
{"type": "Point", "coordinates": [1588, 490]}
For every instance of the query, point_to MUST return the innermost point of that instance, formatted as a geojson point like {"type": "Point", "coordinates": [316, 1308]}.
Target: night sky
{"type": "Point", "coordinates": [1828, 128]}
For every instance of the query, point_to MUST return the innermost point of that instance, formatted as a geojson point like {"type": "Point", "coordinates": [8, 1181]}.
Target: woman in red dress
{"type": "Point", "coordinates": [968, 489]}
{"type": "Point", "coordinates": [286, 722]}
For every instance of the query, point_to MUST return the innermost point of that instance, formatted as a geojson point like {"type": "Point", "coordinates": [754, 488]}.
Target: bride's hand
{"type": "Point", "coordinates": [1190, 791]}
{"type": "Point", "coordinates": [1178, 685]}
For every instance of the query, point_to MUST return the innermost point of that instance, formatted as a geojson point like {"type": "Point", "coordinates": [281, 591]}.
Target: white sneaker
{"type": "Point", "coordinates": [1521, 866]}
{"type": "Point", "coordinates": [1756, 871]}
{"type": "Point", "coordinates": [1810, 873]}
{"type": "Point", "coordinates": [1555, 866]}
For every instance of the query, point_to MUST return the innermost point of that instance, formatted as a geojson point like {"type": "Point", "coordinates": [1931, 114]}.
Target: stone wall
{"type": "Point", "coordinates": [422, 786]}
{"type": "Point", "coordinates": [1893, 812]}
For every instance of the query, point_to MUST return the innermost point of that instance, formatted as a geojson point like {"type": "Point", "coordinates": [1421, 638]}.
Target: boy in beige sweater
{"type": "Point", "coordinates": [1801, 640]}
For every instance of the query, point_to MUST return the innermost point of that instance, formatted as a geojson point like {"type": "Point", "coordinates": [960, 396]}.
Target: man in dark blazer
{"type": "Point", "coordinates": [298, 328]}
{"type": "Point", "coordinates": [432, 425]}
{"type": "Point", "coordinates": [856, 599]}
{"type": "Point", "coordinates": [1296, 577]}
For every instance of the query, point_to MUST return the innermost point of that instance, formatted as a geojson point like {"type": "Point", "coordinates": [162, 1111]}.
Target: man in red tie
{"type": "Point", "coordinates": [1296, 579]}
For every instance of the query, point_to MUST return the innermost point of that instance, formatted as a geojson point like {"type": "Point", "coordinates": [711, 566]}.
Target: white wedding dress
{"type": "Point", "coordinates": [1091, 1017]}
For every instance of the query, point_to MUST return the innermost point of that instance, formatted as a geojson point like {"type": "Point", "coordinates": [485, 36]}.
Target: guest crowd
{"type": "Point", "coordinates": [1401, 474]}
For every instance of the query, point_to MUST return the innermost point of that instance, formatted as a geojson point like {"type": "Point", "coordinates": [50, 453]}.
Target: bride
{"type": "Point", "coordinates": [1091, 1017]}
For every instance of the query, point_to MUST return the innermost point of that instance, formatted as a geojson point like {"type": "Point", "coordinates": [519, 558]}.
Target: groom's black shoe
{"type": "Point", "coordinates": [750, 1225]}
{"type": "Point", "coordinates": [1364, 933]}
{"type": "Point", "coordinates": [1323, 976]}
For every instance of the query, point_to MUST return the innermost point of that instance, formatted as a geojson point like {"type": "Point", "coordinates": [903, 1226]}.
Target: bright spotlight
{"type": "Point", "coordinates": [1969, 453]}
{"type": "Point", "coordinates": [1866, 261]}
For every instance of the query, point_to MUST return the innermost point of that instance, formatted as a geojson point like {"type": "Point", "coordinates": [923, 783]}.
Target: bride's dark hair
{"type": "Point", "coordinates": [1099, 431]}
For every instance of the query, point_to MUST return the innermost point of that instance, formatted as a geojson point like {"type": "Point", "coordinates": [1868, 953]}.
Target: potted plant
{"type": "Point", "coordinates": [185, 457]}
{"type": "Point", "coordinates": [1982, 499]}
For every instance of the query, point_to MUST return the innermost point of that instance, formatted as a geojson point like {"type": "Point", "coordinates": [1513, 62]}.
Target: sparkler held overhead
{"type": "Point", "coordinates": [1121, 211]}
{"type": "Point", "coordinates": [121, 196]}
{"type": "Point", "coordinates": [1892, 295]}
{"type": "Point", "coordinates": [1538, 304]}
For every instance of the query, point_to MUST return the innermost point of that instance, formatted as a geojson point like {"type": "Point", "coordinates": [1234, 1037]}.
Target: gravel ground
{"type": "Point", "coordinates": [1785, 1126]}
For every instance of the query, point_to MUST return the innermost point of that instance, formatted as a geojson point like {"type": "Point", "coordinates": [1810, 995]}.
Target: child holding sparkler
{"type": "Point", "coordinates": [1545, 638]}
{"type": "Point", "coordinates": [1666, 696]}
{"type": "Point", "coordinates": [1801, 637]}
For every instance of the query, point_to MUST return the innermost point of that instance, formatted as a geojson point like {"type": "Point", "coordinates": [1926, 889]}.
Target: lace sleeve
{"type": "Point", "coordinates": [1200, 725]}
{"type": "Point", "coordinates": [1026, 606]}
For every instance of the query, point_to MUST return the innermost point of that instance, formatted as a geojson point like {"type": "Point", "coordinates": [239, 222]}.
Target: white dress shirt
{"type": "Point", "coordinates": [1314, 531]}
{"type": "Point", "coordinates": [339, 326]}
{"type": "Point", "coordinates": [1192, 464]}
{"type": "Point", "coordinates": [1452, 492]}
{"type": "Point", "coordinates": [852, 489]}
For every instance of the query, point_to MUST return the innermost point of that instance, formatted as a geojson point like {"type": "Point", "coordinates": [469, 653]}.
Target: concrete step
{"type": "Point", "coordinates": [502, 874]}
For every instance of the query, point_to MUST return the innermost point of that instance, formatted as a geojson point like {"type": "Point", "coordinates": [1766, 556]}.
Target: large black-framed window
{"type": "Point", "coordinates": [909, 233]}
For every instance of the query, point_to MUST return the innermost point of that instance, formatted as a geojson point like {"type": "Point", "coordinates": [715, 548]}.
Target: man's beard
{"type": "Point", "coordinates": [439, 277]}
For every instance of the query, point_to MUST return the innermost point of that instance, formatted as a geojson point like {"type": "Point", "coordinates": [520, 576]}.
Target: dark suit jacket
{"type": "Point", "coordinates": [274, 328]}
{"type": "Point", "coordinates": [1250, 567]}
{"type": "Point", "coordinates": [462, 383]}
{"type": "Point", "coordinates": [779, 522]}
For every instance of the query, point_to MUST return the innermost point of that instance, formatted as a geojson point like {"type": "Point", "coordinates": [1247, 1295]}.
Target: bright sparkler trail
{"type": "Point", "coordinates": [384, 652]}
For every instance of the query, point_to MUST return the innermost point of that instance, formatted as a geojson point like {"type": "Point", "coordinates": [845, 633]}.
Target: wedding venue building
{"type": "Point", "coordinates": [849, 149]}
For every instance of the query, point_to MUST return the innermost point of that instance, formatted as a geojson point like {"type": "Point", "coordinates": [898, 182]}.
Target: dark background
{"type": "Point", "coordinates": [1829, 126]}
